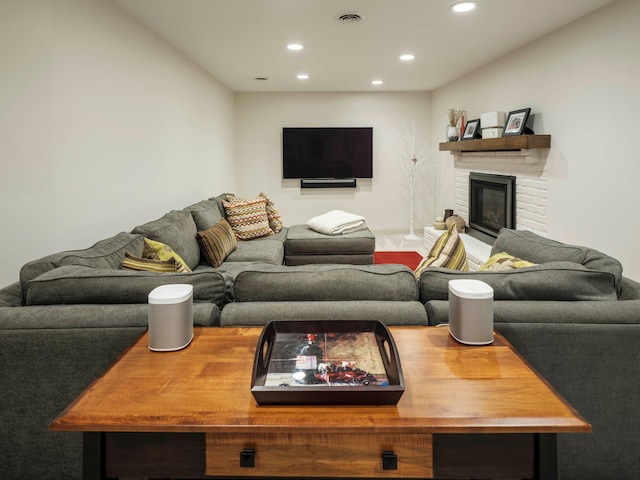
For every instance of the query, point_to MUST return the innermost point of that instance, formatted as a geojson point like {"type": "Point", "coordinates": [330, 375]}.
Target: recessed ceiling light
{"type": "Point", "coordinates": [407, 57]}
{"type": "Point", "coordinates": [377, 82]}
{"type": "Point", "coordinates": [462, 7]}
{"type": "Point", "coordinates": [295, 46]}
{"type": "Point", "coordinates": [303, 76]}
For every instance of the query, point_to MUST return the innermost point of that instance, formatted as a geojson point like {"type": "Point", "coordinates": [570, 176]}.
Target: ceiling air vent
{"type": "Point", "coordinates": [348, 17]}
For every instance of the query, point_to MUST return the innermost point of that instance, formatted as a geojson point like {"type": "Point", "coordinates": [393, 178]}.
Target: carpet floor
{"type": "Point", "coordinates": [410, 259]}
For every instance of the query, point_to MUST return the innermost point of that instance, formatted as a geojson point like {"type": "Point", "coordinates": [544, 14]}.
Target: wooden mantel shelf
{"type": "Point", "coordinates": [527, 148]}
{"type": "Point", "coordinates": [500, 144]}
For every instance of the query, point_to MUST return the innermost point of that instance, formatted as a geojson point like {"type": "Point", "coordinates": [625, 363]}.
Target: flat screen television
{"type": "Point", "coordinates": [327, 152]}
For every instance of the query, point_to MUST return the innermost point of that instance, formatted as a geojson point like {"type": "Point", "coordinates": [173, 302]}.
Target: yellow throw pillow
{"type": "Point", "coordinates": [217, 242]}
{"type": "Point", "coordinates": [501, 262]}
{"type": "Point", "coordinates": [131, 262]}
{"type": "Point", "coordinates": [248, 218]}
{"type": "Point", "coordinates": [447, 252]}
{"type": "Point", "coordinates": [160, 251]}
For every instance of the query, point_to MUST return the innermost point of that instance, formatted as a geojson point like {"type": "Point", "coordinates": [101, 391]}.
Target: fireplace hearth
{"type": "Point", "coordinates": [492, 206]}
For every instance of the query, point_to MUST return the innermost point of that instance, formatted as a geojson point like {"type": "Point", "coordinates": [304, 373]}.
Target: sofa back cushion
{"type": "Point", "coordinates": [566, 281]}
{"type": "Point", "coordinates": [176, 229]}
{"type": "Point", "coordinates": [273, 283]}
{"type": "Point", "coordinates": [534, 248]}
{"type": "Point", "coordinates": [205, 214]}
{"type": "Point", "coordinates": [74, 285]}
{"type": "Point", "coordinates": [107, 253]}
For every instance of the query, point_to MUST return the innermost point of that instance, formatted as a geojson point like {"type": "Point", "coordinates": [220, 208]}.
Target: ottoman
{"type": "Point", "coordinates": [304, 246]}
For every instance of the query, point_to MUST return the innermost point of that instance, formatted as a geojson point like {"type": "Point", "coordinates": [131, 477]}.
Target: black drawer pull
{"type": "Point", "coordinates": [389, 460]}
{"type": "Point", "coordinates": [248, 458]}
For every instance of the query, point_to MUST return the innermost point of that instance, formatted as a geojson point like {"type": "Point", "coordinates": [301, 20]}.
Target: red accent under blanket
{"type": "Point", "coordinates": [410, 259]}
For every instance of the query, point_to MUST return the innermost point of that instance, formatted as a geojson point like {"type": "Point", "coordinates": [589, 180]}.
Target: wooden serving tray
{"type": "Point", "coordinates": [326, 362]}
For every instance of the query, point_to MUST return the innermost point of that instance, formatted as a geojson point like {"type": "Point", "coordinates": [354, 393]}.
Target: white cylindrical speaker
{"type": "Point", "coordinates": [170, 317]}
{"type": "Point", "coordinates": [471, 311]}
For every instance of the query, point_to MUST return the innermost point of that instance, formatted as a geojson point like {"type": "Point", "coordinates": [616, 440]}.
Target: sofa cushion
{"type": "Point", "coordinates": [535, 248]}
{"type": "Point", "coordinates": [447, 252]}
{"type": "Point", "coordinates": [270, 283]}
{"type": "Point", "coordinates": [217, 242]}
{"type": "Point", "coordinates": [566, 281]}
{"type": "Point", "coordinates": [107, 253]}
{"type": "Point", "coordinates": [84, 285]}
{"type": "Point", "coordinates": [302, 240]}
{"type": "Point", "coordinates": [205, 214]}
{"type": "Point", "coordinates": [131, 262]}
{"type": "Point", "coordinates": [248, 218]}
{"type": "Point", "coordinates": [266, 251]}
{"type": "Point", "coordinates": [159, 251]}
{"type": "Point", "coordinates": [177, 230]}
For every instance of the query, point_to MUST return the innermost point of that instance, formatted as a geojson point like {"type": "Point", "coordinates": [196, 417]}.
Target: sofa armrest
{"type": "Point", "coordinates": [617, 312]}
{"type": "Point", "coordinates": [73, 317]}
{"type": "Point", "coordinates": [11, 296]}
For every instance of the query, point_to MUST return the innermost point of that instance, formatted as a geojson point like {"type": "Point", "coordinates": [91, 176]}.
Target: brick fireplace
{"type": "Point", "coordinates": [530, 184]}
{"type": "Point", "coordinates": [524, 159]}
{"type": "Point", "coordinates": [492, 204]}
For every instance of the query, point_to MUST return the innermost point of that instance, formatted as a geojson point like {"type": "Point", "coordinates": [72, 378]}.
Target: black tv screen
{"type": "Point", "coordinates": [327, 152]}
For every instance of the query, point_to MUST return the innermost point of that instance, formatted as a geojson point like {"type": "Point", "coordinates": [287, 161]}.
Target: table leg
{"type": "Point", "coordinates": [93, 456]}
{"type": "Point", "coordinates": [546, 456]}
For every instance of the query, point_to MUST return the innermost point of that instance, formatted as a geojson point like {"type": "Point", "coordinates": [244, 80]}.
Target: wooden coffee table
{"type": "Point", "coordinates": [467, 412]}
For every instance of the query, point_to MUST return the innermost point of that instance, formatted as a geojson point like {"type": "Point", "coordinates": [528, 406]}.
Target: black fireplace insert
{"type": "Point", "coordinates": [492, 205]}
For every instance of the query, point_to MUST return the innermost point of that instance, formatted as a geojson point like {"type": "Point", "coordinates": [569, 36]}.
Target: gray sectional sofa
{"type": "Point", "coordinates": [72, 313]}
{"type": "Point", "coordinates": [576, 319]}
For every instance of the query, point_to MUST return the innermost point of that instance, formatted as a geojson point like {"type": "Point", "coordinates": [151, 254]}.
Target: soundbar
{"type": "Point", "coordinates": [327, 183]}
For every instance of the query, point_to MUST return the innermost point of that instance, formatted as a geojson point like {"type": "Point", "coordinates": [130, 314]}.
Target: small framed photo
{"type": "Point", "coordinates": [471, 130]}
{"type": "Point", "coordinates": [516, 122]}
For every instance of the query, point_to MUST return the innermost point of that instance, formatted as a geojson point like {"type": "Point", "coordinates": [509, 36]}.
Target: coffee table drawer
{"type": "Point", "coordinates": [319, 455]}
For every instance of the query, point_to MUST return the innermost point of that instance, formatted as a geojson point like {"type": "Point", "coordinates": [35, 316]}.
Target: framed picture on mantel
{"type": "Point", "coordinates": [516, 122]}
{"type": "Point", "coordinates": [471, 130]}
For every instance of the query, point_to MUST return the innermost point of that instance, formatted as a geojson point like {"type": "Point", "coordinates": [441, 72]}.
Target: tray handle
{"type": "Point", "coordinates": [263, 352]}
{"type": "Point", "coordinates": [389, 354]}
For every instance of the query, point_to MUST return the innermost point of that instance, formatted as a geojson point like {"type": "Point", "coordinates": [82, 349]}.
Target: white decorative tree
{"type": "Point", "coordinates": [411, 162]}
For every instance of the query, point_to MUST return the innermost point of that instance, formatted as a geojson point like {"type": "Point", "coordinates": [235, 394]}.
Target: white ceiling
{"type": "Point", "coordinates": [239, 40]}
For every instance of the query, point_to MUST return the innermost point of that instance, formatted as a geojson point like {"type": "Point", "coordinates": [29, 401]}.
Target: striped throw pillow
{"type": "Point", "coordinates": [248, 218]}
{"type": "Point", "coordinates": [275, 221]}
{"type": "Point", "coordinates": [447, 252]}
{"type": "Point", "coordinates": [131, 262]}
{"type": "Point", "coordinates": [217, 242]}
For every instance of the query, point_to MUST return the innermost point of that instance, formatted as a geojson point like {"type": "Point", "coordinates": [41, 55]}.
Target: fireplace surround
{"type": "Point", "coordinates": [492, 205]}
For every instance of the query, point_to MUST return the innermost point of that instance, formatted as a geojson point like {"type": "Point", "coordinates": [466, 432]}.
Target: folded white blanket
{"type": "Point", "coordinates": [337, 222]}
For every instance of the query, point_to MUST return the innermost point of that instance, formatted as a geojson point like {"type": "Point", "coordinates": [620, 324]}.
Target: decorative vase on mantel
{"type": "Point", "coordinates": [452, 133]}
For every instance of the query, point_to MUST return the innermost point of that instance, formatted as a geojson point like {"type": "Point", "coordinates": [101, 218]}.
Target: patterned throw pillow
{"type": "Point", "coordinates": [159, 251]}
{"type": "Point", "coordinates": [248, 218]}
{"type": "Point", "coordinates": [501, 262]}
{"type": "Point", "coordinates": [217, 242]}
{"type": "Point", "coordinates": [447, 252]}
{"type": "Point", "coordinates": [275, 221]}
{"type": "Point", "coordinates": [131, 262]}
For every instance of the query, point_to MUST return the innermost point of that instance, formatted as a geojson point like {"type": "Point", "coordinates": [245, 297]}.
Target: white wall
{"type": "Point", "coordinates": [383, 200]}
{"type": "Point", "coordinates": [582, 84]}
{"type": "Point", "coordinates": [103, 125]}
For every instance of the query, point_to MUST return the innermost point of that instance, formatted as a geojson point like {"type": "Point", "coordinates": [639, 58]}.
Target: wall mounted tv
{"type": "Point", "coordinates": [327, 152]}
